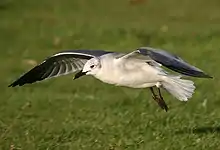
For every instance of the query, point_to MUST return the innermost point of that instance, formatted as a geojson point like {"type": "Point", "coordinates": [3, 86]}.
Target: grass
{"type": "Point", "coordinates": [89, 115]}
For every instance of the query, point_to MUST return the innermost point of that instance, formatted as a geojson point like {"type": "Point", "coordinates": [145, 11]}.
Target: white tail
{"type": "Point", "coordinates": [179, 88]}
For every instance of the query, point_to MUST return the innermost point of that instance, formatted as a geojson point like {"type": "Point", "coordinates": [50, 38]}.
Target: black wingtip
{"type": "Point", "coordinates": [208, 76]}
{"type": "Point", "coordinates": [203, 75]}
{"type": "Point", "coordinates": [12, 84]}
{"type": "Point", "coordinates": [16, 83]}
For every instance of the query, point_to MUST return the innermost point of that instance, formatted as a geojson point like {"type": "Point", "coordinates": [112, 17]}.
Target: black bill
{"type": "Point", "coordinates": [79, 74]}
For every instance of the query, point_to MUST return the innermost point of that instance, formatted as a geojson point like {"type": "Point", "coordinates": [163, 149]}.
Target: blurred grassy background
{"type": "Point", "coordinates": [89, 115]}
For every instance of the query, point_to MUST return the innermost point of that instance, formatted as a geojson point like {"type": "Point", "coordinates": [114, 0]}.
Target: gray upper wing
{"type": "Point", "coordinates": [172, 62]}
{"type": "Point", "coordinates": [61, 63]}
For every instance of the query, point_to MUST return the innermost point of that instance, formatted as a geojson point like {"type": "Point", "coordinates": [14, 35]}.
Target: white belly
{"type": "Point", "coordinates": [139, 79]}
{"type": "Point", "coordinates": [135, 75]}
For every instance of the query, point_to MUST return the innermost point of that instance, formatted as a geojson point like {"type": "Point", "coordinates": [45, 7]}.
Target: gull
{"type": "Point", "coordinates": [144, 67]}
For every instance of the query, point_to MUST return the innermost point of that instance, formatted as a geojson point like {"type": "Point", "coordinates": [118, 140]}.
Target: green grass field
{"type": "Point", "coordinates": [62, 114]}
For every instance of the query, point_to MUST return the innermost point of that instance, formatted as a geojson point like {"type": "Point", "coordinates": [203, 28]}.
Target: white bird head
{"type": "Point", "coordinates": [91, 67]}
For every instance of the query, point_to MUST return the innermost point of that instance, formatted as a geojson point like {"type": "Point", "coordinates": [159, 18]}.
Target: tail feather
{"type": "Point", "coordinates": [180, 88]}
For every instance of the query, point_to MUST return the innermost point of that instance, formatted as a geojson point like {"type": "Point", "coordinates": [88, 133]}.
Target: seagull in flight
{"type": "Point", "coordinates": [142, 68]}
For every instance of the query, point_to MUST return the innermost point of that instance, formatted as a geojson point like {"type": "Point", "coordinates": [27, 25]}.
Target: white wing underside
{"type": "Point", "coordinates": [65, 66]}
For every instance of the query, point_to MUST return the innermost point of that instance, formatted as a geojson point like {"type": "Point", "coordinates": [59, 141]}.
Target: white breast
{"type": "Point", "coordinates": [136, 74]}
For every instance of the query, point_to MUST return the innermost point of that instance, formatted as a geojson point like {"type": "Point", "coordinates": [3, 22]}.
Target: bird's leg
{"type": "Point", "coordinates": [153, 93]}
{"type": "Point", "coordinates": [162, 102]}
{"type": "Point", "coordinates": [159, 99]}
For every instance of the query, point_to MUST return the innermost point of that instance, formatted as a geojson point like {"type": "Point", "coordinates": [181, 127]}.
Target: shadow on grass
{"type": "Point", "coordinates": [5, 4]}
{"type": "Point", "coordinates": [2, 7]}
{"type": "Point", "coordinates": [199, 130]}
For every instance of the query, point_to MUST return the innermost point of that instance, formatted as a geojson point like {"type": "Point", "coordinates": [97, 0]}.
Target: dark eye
{"type": "Point", "coordinates": [92, 66]}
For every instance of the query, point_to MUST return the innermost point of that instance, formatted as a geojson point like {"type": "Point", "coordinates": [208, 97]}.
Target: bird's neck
{"type": "Point", "coordinates": [107, 72]}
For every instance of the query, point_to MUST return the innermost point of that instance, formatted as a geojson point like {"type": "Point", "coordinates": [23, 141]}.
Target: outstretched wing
{"type": "Point", "coordinates": [61, 63]}
{"type": "Point", "coordinates": [173, 62]}
{"type": "Point", "coordinates": [168, 60]}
